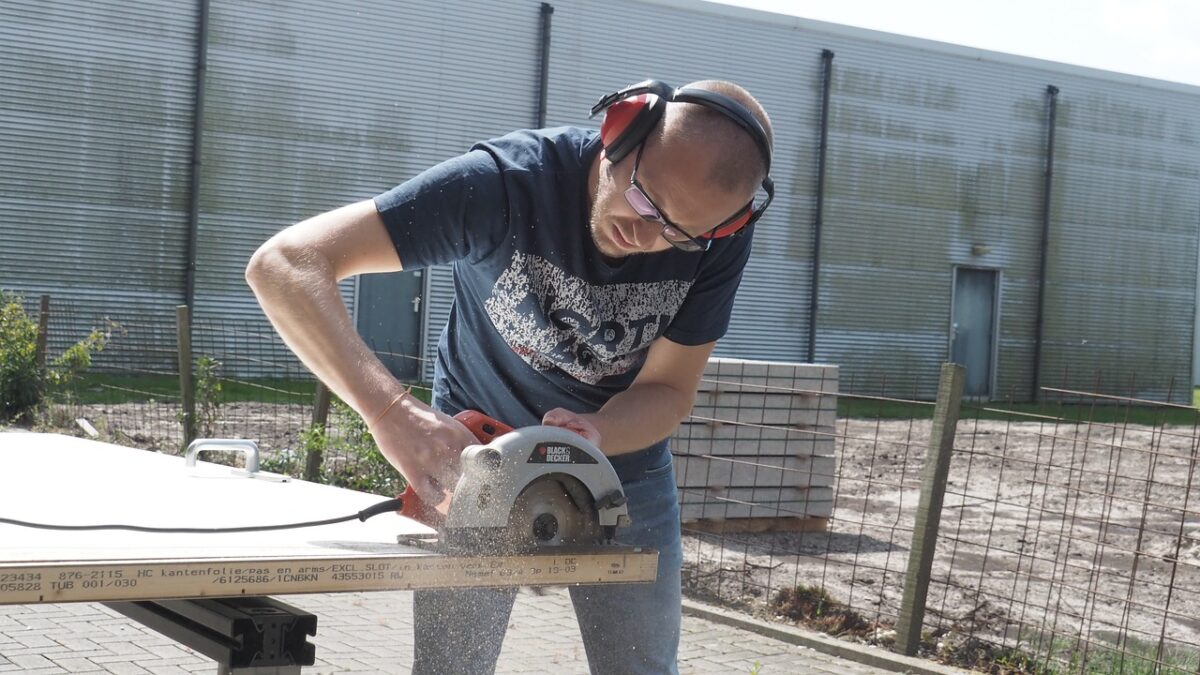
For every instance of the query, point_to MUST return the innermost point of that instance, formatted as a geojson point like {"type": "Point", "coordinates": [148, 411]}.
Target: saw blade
{"type": "Point", "coordinates": [553, 511]}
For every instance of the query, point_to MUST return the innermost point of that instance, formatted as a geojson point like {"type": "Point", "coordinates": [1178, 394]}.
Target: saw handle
{"type": "Point", "coordinates": [485, 429]}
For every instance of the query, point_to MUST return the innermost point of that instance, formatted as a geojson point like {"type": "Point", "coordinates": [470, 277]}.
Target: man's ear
{"type": "Point", "coordinates": [606, 164]}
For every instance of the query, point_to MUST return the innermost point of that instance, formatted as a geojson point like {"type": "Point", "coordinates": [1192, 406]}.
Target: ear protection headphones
{"type": "Point", "coordinates": [633, 112]}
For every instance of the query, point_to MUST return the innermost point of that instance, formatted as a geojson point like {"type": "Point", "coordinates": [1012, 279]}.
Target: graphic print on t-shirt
{"type": "Point", "coordinates": [554, 320]}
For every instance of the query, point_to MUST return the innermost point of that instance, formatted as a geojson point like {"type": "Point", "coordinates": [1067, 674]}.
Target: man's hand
{"type": "Point", "coordinates": [424, 445]}
{"type": "Point", "coordinates": [580, 424]}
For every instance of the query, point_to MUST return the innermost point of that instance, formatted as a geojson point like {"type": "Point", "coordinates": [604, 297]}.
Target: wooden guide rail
{"type": "Point", "coordinates": [80, 581]}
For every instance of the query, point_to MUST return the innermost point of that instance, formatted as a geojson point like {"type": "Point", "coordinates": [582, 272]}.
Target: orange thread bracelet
{"type": "Point", "coordinates": [391, 405]}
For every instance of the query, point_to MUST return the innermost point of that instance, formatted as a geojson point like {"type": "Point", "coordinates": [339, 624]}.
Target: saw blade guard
{"type": "Point", "coordinates": [496, 473]}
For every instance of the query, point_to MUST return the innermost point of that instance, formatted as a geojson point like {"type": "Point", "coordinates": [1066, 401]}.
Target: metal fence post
{"type": "Point", "coordinates": [315, 456]}
{"type": "Point", "coordinates": [929, 510]}
{"type": "Point", "coordinates": [183, 336]}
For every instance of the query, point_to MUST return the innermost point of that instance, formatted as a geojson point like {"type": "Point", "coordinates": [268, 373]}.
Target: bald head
{"type": "Point", "coordinates": [739, 165]}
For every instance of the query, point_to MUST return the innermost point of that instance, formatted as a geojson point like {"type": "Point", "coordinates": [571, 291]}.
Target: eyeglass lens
{"type": "Point", "coordinates": [641, 204]}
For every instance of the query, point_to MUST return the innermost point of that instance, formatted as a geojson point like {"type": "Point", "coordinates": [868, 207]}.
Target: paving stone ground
{"type": "Point", "coordinates": [361, 633]}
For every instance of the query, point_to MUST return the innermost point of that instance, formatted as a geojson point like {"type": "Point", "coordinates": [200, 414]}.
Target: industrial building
{"type": "Point", "coordinates": [1034, 220]}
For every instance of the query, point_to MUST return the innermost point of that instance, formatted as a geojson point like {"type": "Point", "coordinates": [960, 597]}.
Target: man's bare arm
{"type": "Point", "coordinates": [295, 276]}
{"type": "Point", "coordinates": [652, 407]}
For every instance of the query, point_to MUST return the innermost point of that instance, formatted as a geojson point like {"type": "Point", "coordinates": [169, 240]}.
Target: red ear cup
{"type": "Point", "coordinates": [618, 117]}
{"type": "Point", "coordinates": [627, 123]}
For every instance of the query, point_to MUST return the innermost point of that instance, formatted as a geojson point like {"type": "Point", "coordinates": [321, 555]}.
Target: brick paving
{"type": "Point", "coordinates": [372, 633]}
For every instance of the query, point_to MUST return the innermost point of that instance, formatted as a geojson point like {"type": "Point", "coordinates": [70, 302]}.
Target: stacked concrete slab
{"type": "Point", "coordinates": [757, 451]}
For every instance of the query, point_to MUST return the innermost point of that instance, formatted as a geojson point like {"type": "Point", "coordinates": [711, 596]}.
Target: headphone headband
{"type": "Point", "coordinates": [659, 89]}
{"type": "Point", "coordinates": [709, 99]}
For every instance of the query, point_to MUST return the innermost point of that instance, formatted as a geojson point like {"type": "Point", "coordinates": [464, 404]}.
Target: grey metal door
{"type": "Point", "coordinates": [973, 327]}
{"type": "Point", "coordinates": [389, 319]}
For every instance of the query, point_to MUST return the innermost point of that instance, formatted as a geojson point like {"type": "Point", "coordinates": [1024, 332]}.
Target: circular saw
{"type": "Point", "coordinates": [524, 490]}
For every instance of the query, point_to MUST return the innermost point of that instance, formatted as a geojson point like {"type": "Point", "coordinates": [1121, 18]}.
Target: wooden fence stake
{"type": "Point", "coordinates": [43, 331]}
{"type": "Point", "coordinates": [183, 333]}
{"type": "Point", "coordinates": [929, 510]}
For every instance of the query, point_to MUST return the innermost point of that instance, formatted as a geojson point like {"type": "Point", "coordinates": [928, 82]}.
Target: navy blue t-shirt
{"type": "Point", "coordinates": [540, 319]}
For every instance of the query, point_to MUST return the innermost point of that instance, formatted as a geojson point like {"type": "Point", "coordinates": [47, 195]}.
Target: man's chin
{"type": "Point", "coordinates": [607, 248]}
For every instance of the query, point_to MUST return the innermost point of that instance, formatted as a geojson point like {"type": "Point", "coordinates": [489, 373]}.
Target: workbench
{"type": "Point", "coordinates": [200, 588]}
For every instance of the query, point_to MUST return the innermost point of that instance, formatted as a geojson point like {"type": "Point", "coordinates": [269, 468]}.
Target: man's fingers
{"type": "Point", "coordinates": [434, 485]}
{"type": "Point", "coordinates": [561, 417]}
{"type": "Point", "coordinates": [434, 492]}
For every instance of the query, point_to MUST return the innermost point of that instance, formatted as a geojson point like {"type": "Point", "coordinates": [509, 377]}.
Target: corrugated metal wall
{"type": "Point", "coordinates": [929, 155]}
{"type": "Point", "coordinates": [1126, 205]}
{"type": "Point", "coordinates": [312, 105]}
{"type": "Point", "coordinates": [95, 138]}
{"type": "Point", "coordinates": [936, 153]}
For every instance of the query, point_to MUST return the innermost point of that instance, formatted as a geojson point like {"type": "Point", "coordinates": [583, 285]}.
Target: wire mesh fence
{"type": "Point", "coordinates": [1068, 540]}
{"type": "Point", "coordinates": [1068, 536]}
{"type": "Point", "coordinates": [1072, 535]}
{"type": "Point", "coordinates": [836, 558]}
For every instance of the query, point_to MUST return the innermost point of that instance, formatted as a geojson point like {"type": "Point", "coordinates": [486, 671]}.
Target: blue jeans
{"type": "Point", "coordinates": [628, 629]}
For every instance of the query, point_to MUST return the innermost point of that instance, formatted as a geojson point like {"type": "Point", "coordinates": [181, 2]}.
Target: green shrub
{"type": "Point", "coordinates": [66, 368]}
{"type": "Point", "coordinates": [22, 381]}
{"type": "Point", "coordinates": [24, 384]}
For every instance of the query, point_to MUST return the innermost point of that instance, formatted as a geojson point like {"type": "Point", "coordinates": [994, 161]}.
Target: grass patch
{"type": "Point", "coordinates": [1134, 657]}
{"type": "Point", "coordinates": [1062, 656]}
{"type": "Point", "coordinates": [1044, 654]}
{"type": "Point", "coordinates": [108, 388]}
{"type": "Point", "coordinates": [1135, 661]}
{"type": "Point", "coordinates": [1109, 414]}
{"type": "Point", "coordinates": [93, 388]}
{"type": "Point", "coordinates": [887, 410]}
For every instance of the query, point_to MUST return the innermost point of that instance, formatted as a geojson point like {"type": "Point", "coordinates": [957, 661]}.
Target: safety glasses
{"type": "Point", "coordinates": [641, 203]}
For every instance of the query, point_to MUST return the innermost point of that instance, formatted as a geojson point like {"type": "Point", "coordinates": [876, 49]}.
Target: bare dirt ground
{"type": "Point", "coordinates": [156, 426]}
{"type": "Point", "coordinates": [1049, 532]}
{"type": "Point", "coordinates": [1062, 531]}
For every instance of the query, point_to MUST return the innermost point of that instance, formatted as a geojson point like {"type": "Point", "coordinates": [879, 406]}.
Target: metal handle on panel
{"type": "Point", "coordinates": [201, 444]}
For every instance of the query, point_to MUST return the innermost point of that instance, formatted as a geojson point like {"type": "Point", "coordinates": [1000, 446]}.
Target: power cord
{"type": "Point", "coordinates": [382, 507]}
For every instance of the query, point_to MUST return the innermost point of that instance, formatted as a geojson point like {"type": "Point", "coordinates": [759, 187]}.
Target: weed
{"type": "Point", "coordinates": [349, 457]}
{"type": "Point", "coordinates": [352, 460]}
{"type": "Point", "coordinates": [208, 395]}
{"type": "Point", "coordinates": [814, 607]}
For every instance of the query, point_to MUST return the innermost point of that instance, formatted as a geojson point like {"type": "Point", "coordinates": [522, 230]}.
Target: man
{"type": "Point", "coordinates": [593, 275]}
